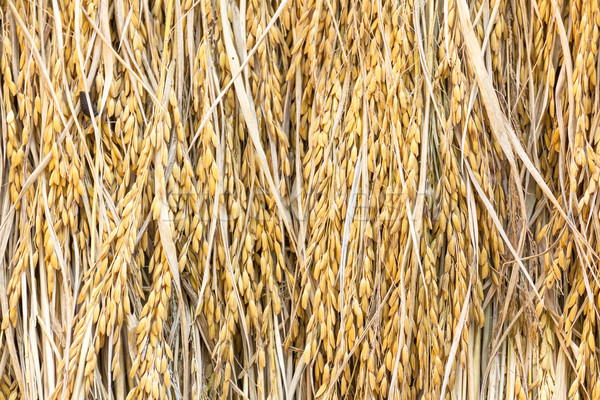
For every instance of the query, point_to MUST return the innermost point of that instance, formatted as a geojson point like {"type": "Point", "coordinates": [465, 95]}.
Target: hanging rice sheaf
{"type": "Point", "coordinates": [299, 199]}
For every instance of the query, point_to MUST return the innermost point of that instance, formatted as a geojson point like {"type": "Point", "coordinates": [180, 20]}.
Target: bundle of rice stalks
{"type": "Point", "coordinates": [299, 199]}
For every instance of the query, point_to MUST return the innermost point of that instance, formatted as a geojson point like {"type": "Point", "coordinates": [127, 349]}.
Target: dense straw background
{"type": "Point", "coordinates": [328, 199]}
